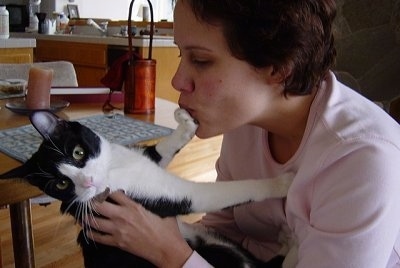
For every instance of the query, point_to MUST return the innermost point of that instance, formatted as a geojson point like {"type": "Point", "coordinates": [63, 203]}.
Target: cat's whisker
{"type": "Point", "coordinates": [89, 228]}
{"type": "Point", "coordinates": [59, 222]}
{"type": "Point", "coordinates": [47, 185]}
{"type": "Point", "coordinates": [79, 212]}
{"type": "Point", "coordinates": [80, 216]}
{"type": "Point", "coordinates": [70, 204]}
{"type": "Point", "coordinates": [92, 211]}
{"type": "Point", "coordinates": [83, 215]}
{"type": "Point", "coordinates": [42, 173]}
{"type": "Point", "coordinates": [54, 148]}
{"type": "Point", "coordinates": [88, 212]}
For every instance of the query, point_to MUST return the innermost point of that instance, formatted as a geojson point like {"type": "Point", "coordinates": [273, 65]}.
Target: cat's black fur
{"type": "Point", "coordinates": [43, 170]}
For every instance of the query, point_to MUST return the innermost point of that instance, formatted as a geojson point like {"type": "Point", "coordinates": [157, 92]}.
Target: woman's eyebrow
{"type": "Point", "coordinates": [193, 47]}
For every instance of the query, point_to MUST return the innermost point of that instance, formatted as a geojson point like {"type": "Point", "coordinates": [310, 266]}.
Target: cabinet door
{"type": "Point", "coordinates": [90, 60]}
{"type": "Point", "coordinates": [16, 55]}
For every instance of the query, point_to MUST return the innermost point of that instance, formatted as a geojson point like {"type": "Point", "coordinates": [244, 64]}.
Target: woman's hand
{"type": "Point", "coordinates": [132, 228]}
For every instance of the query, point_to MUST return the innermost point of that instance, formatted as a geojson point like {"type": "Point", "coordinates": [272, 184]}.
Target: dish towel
{"type": "Point", "coordinates": [115, 77]}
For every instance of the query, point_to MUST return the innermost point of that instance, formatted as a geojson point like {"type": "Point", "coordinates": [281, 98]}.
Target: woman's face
{"type": "Point", "coordinates": [218, 90]}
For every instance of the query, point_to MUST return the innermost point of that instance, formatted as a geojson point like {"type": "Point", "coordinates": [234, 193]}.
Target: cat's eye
{"type": "Point", "coordinates": [78, 153]}
{"type": "Point", "coordinates": [62, 185]}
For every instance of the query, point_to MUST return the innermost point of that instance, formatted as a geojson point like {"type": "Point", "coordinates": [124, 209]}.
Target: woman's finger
{"type": "Point", "coordinates": [101, 238]}
{"type": "Point", "coordinates": [120, 197]}
{"type": "Point", "coordinates": [100, 224]}
{"type": "Point", "coordinates": [109, 209]}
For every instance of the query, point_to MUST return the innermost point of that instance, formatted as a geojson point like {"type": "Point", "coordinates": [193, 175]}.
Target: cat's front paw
{"type": "Point", "coordinates": [182, 116]}
{"type": "Point", "coordinates": [186, 121]}
{"type": "Point", "coordinates": [283, 182]}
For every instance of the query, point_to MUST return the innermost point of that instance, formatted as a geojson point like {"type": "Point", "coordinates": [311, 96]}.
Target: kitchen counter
{"type": "Point", "coordinates": [158, 41]}
{"type": "Point", "coordinates": [18, 43]}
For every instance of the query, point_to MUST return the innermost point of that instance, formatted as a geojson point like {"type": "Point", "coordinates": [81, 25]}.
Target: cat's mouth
{"type": "Point", "coordinates": [101, 197]}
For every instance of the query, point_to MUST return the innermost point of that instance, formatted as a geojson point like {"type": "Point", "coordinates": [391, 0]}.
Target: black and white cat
{"type": "Point", "coordinates": [76, 166]}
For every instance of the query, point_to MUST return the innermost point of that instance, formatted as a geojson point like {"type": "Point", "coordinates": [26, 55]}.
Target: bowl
{"type": "Point", "coordinates": [13, 86]}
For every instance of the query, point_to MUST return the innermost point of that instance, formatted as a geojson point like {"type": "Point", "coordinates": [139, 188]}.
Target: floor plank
{"type": "Point", "coordinates": [54, 238]}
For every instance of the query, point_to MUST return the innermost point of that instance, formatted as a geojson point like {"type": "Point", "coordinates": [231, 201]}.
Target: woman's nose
{"type": "Point", "coordinates": [181, 80]}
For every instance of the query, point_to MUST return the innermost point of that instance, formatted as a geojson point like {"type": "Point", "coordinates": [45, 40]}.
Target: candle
{"type": "Point", "coordinates": [39, 84]}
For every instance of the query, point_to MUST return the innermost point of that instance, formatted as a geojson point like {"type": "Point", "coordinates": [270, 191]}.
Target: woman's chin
{"type": "Point", "coordinates": [203, 133]}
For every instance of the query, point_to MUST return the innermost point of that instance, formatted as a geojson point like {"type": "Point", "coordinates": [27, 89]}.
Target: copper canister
{"type": "Point", "coordinates": [139, 97]}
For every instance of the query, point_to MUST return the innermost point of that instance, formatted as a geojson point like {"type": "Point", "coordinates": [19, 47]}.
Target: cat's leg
{"type": "Point", "coordinates": [215, 249]}
{"type": "Point", "coordinates": [289, 247]}
{"type": "Point", "coordinates": [207, 197]}
{"type": "Point", "coordinates": [175, 196]}
{"type": "Point", "coordinates": [291, 258]}
{"type": "Point", "coordinates": [170, 145]}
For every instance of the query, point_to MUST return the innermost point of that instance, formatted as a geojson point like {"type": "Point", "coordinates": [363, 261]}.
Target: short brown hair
{"type": "Point", "coordinates": [293, 36]}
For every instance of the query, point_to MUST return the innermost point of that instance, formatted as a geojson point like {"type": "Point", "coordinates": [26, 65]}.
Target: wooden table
{"type": "Point", "coordinates": [17, 194]}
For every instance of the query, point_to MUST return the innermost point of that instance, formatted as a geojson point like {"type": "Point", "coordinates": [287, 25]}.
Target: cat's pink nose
{"type": "Point", "coordinates": [88, 182]}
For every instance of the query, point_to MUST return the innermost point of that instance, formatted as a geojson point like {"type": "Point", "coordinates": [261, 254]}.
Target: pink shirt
{"type": "Point", "coordinates": [344, 204]}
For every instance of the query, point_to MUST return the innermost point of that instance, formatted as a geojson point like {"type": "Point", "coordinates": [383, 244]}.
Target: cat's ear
{"type": "Point", "coordinates": [45, 122]}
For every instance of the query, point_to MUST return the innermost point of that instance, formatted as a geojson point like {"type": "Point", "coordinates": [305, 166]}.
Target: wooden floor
{"type": "Point", "coordinates": [55, 234]}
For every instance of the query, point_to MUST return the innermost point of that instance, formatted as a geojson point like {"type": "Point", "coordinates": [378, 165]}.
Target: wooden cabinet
{"type": "Point", "coordinates": [90, 60]}
{"type": "Point", "coordinates": [16, 55]}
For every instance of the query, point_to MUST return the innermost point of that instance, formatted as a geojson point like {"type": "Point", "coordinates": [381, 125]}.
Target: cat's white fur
{"type": "Point", "coordinates": [140, 177]}
{"type": "Point", "coordinates": [180, 137]}
{"type": "Point", "coordinates": [289, 247]}
{"type": "Point", "coordinates": [120, 168]}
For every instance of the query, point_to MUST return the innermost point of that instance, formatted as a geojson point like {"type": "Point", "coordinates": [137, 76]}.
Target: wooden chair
{"type": "Point", "coordinates": [64, 72]}
{"type": "Point", "coordinates": [15, 194]}
{"type": "Point", "coordinates": [64, 76]}
{"type": "Point", "coordinates": [1, 255]}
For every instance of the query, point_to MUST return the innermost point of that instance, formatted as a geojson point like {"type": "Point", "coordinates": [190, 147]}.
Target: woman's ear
{"type": "Point", "coordinates": [277, 75]}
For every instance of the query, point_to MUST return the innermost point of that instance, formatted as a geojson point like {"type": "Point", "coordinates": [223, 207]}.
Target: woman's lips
{"type": "Point", "coordinates": [192, 114]}
{"type": "Point", "coordinates": [190, 111]}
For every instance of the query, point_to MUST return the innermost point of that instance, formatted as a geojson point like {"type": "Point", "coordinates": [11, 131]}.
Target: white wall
{"type": "Point", "coordinates": [5, 2]}
{"type": "Point", "coordinates": [107, 9]}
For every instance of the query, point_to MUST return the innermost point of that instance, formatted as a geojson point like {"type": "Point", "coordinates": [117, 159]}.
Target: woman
{"type": "Point", "coordinates": [258, 72]}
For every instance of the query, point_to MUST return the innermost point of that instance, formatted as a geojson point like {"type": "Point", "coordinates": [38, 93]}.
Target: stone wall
{"type": "Point", "coordinates": [367, 34]}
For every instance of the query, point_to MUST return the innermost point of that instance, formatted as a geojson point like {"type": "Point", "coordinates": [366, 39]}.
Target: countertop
{"type": "Point", "coordinates": [18, 43]}
{"type": "Point", "coordinates": [158, 41]}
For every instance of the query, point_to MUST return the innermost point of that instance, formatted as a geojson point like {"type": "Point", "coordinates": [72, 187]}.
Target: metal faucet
{"type": "Point", "coordinates": [102, 27]}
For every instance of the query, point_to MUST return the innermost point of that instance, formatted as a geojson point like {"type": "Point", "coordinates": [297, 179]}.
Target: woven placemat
{"type": "Point", "coordinates": [21, 142]}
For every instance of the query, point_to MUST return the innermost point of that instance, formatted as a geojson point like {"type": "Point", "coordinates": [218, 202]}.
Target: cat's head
{"type": "Point", "coordinates": [68, 161]}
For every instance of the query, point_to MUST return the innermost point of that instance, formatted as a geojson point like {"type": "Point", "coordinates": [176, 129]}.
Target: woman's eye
{"type": "Point", "coordinates": [62, 185]}
{"type": "Point", "coordinates": [78, 153]}
{"type": "Point", "coordinates": [200, 61]}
